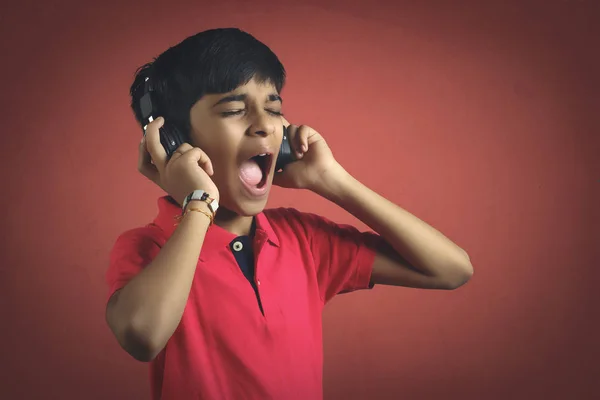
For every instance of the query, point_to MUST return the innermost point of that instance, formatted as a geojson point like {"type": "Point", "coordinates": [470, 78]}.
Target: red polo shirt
{"type": "Point", "coordinates": [225, 346]}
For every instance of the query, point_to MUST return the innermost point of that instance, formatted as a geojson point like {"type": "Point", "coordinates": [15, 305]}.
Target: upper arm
{"type": "Point", "coordinates": [131, 253]}
{"type": "Point", "coordinates": [390, 268]}
{"type": "Point", "coordinates": [110, 307]}
{"type": "Point", "coordinates": [343, 256]}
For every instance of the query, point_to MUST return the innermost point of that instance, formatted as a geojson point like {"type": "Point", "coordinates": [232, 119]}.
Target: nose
{"type": "Point", "coordinates": [262, 125]}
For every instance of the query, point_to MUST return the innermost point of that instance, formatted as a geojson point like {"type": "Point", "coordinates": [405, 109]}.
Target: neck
{"type": "Point", "coordinates": [237, 224]}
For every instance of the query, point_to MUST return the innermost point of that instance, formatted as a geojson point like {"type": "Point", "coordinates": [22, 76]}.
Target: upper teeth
{"type": "Point", "coordinates": [264, 154]}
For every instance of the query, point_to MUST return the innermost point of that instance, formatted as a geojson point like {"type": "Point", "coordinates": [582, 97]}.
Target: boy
{"type": "Point", "coordinates": [227, 304]}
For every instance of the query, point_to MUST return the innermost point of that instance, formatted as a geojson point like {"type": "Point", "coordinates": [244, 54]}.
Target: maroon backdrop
{"type": "Point", "coordinates": [479, 117]}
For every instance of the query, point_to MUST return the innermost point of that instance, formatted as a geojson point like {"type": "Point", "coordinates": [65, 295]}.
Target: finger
{"type": "Point", "coordinates": [153, 145]}
{"type": "Point", "coordinates": [303, 138]}
{"type": "Point", "coordinates": [201, 158]}
{"type": "Point", "coordinates": [181, 150]}
{"type": "Point", "coordinates": [145, 166]}
{"type": "Point", "coordinates": [185, 147]}
{"type": "Point", "coordinates": [299, 139]}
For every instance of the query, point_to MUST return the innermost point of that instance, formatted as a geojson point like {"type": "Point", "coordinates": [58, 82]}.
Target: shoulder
{"type": "Point", "coordinates": [140, 239]}
{"type": "Point", "coordinates": [293, 221]}
{"type": "Point", "coordinates": [287, 217]}
{"type": "Point", "coordinates": [315, 227]}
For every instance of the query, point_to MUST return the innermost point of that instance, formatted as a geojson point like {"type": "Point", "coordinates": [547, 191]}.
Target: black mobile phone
{"type": "Point", "coordinates": [171, 137]}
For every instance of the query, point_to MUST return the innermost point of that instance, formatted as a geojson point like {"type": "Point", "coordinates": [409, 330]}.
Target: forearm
{"type": "Point", "coordinates": [149, 308]}
{"type": "Point", "coordinates": [428, 250]}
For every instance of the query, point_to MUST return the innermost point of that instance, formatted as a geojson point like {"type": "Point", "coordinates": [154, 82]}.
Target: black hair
{"type": "Point", "coordinates": [210, 62]}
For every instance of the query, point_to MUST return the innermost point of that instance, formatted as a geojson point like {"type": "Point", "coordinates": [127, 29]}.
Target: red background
{"type": "Point", "coordinates": [479, 117]}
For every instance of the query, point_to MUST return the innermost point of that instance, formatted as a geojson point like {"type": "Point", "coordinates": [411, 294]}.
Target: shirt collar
{"type": "Point", "coordinates": [216, 238]}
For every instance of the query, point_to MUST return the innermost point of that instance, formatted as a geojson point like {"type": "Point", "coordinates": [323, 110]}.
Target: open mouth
{"type": "Point", "coordinates": [264, 162]}
{"type": "Point", "coordinates": [254, 172]}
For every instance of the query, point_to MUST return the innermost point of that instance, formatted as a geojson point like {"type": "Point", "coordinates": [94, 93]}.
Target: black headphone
{"type": "Point", "coordinates": [171, 137]}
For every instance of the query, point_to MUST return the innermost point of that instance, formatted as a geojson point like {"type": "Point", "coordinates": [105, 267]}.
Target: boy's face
{"type": "Point", "coordinates": [232, 129]}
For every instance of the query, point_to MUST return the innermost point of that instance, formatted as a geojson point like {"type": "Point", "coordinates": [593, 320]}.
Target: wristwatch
{"type": "Point", "coordinates": [213, 205]}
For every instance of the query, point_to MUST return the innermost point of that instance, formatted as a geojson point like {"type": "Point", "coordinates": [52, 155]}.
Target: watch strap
{"type": "Point", "coordinates": [201, 195]}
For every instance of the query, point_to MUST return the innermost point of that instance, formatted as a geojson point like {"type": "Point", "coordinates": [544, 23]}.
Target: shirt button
{"type": "Point", "coordinates": [237, 246]}
{"type": "Point", "coordinates": [258, 283]}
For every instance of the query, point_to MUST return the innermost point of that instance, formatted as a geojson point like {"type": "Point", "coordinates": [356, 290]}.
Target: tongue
{"type": "Point", "coordinates": [251, 173]}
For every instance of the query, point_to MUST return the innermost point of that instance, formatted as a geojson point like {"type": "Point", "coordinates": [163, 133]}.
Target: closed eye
{"type": "Point", "coordinates": [238, 112]}
{"type": "Point", "coordinates": [230, 113]}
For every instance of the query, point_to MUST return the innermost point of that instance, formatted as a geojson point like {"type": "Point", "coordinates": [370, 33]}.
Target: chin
{"type": "Point", "coordinates": [250, 209]}
{"type": "Point", "coordinates": [245, 207]}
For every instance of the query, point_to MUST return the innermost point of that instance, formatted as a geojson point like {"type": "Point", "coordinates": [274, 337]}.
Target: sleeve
{"type": "Point", "coordinates": [342, 254]}
{"type": "Point", "coordinates": [131, 252]}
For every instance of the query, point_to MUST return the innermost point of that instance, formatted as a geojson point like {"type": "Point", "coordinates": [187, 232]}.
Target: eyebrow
{"type": "Point", "coordinates": [242, 97]}
{"type": "Point", "coordinates": [275, 97]}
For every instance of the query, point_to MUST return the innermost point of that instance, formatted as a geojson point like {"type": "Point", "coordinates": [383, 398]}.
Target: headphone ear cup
{"type": "Point", "coordinates": [285, 152]}
{"type": "Point", "coordinates": [171, 138]}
